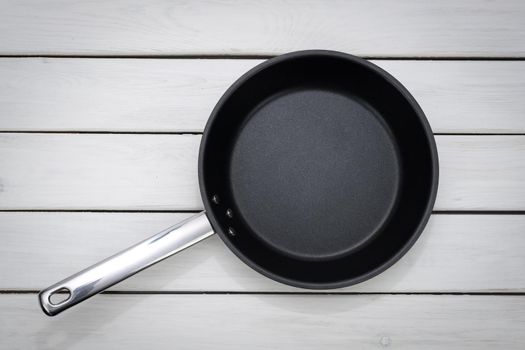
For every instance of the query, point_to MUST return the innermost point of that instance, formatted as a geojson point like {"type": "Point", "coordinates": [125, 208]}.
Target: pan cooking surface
{"type": "Point", "coordinates": [315, 173]}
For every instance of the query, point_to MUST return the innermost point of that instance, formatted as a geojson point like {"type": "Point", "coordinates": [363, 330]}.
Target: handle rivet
{"type": "Point", "coordinates": [229, 213]}
{"type": "Point", "coordinates": [231, 231]}
{"type": "Point", "coordinates": [215, 199]}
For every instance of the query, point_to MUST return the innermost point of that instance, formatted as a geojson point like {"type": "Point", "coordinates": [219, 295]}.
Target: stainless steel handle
{"type": "Point", "coordinates": [112, 270]}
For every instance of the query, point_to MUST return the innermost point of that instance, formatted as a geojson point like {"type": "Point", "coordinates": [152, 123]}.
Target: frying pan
{"type": "Point", "coordinates": [316, 168]}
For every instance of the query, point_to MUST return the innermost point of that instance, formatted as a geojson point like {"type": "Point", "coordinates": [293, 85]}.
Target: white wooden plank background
{"type": "Point", "coordinates": [159, 172]}
{"type": "Point", "coordinates": [369, 28]}
{"type": "Point", "coordinates": [269, 322]}
{"type": "Point", "coordinates": [47, 166]}
{"type": "Point", "coordinates": [152, 95]}
{"type": "Point", "coordinates": [456, 253]}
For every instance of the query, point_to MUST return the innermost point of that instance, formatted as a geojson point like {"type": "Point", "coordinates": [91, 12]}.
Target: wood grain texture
{"type": "Point", "coordinates": [456, 253]}
{"type": "Point", "coordinates": [163, 27]}
{"type": "Point", "coordinates": [268, 322]}
{"type": "Point", "coordinates": [159, 172]}
{"type": "Point", "coordinates": [41, 171]}
{"type": "Point", "coordinates": [177, 95]}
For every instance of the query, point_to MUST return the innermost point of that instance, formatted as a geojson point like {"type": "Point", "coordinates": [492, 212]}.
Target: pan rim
{"type": "Point", "coordinates": [428, 135]}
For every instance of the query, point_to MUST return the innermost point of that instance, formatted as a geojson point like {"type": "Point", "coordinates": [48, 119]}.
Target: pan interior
{"type": "Point", "coordinates": [314, 172]}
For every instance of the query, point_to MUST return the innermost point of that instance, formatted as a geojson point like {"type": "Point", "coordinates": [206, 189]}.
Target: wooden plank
{"type": "Point", "coordinates": [159, 172]}
{"type": "Point", "coordinates": [163, 27]}
{"type": "Point", "coordinates": [42, 171]}
{"type": "Point", "coordinates": [268, 322]}
{"type": "Point", "coordinates": [481, 173]}
{"type": "Point", "coordinates": [456, 253]}
{"type": "Point", "coordinates": [112, 94]}
{"type": "Point", "coordinates": [151, 95]}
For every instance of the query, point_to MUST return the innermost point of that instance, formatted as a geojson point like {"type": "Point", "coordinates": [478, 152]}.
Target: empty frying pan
{"type": "Point", "coordinates": [316, 168]}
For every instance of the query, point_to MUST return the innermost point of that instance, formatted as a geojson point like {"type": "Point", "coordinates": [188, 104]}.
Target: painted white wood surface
{"type": "Point", "coordinates": [173, 95]}
{"type": "Point", "coordinates": [268, 322]}
{"type": "Point", "coordinates": [371, 28]}
{"type": "Point", "coordinates": [456, 253]}
{"type": "Point", "coordinates": [159, 172]}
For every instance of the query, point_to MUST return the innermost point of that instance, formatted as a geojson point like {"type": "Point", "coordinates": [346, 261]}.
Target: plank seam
{"type": "Point", "coordinates": [258, 57]}
{"type": "Point", "coordinates": [88, 132]}
{"type": "Point", "coordinates": [478, 212]}
{"type": "Point", "coordinates": [97, 211]}
{"type": "Point", "coordinates": [478, 134]}
{"type": "Point", "coordinates": [103, 132]}
{"type": "Point", "coordinates": [153, 211]}
{"type": "Point", "coordinates": [34, 291]}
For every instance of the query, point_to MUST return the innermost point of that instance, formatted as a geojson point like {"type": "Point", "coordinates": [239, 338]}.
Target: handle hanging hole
{"type": "Point", "coordinates": [59, 296]}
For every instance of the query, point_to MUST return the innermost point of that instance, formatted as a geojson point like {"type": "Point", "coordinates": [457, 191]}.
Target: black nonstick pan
{"type": "Point", "coordinates": [316, 168]}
